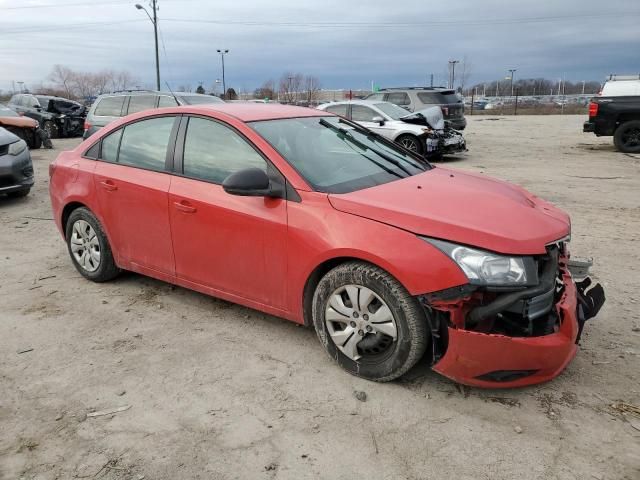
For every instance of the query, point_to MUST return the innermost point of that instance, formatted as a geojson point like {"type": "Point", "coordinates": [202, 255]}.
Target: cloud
{"type": "Point", "coordinates": [575, 39]}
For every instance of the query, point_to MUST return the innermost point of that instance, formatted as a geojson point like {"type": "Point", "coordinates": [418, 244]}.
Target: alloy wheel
{"type": "Point", "coordinates": [409, 143]}
{"type": "Point", "coordinates": [359, 322]}
{"type": "Point", "coordinates": [85, 246]}
{"type": "Point", "coordinates": [631, 137]}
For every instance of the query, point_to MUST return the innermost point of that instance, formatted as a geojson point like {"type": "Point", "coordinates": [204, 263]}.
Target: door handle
{"type": "Point", "coordinates": [109, 185]}
{"type": "Point", "coordinates": [185, 207]}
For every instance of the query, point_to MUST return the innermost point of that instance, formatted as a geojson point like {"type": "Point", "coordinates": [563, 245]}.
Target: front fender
{"type": "Point", "coordinates": [319, 233]}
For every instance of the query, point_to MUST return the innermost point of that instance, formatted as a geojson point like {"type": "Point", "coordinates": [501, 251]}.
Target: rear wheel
{"type": "Point", "coordinates": [411, 143]}
{"type": "Point", "coordinates": [368, 322]}
{"type": "Point", "coordinates": [627, 137]}
{"type": "Point", "coordinates": [89, 247]}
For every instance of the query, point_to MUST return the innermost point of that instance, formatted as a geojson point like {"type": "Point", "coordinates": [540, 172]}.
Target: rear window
{"type": "Point", "coordinates": [438, 98]}
{"type": "Point", "coordinates": [338, 109]}
{"type": "Point", "coordinates": [110, 107]}
{"type": "Point", "coordinates": [399, 98]}
{"type": "Point", "coordinates": [200, 99]}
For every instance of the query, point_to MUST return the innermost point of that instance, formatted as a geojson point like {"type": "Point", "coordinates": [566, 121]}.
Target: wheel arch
{"type": "Point", "coordinates": [320, 271]}
{"type": "Point", "coordinates": [66, 213]}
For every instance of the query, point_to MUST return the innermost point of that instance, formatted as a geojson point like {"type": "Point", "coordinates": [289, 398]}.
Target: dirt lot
{"type": "Point", "coordinates": [217, 391]}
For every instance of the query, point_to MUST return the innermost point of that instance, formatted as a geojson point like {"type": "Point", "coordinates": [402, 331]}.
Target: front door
{"type": "Point", "coordinates": [133, 188]}
{"type": "Point", "coordinates": [229, 243]}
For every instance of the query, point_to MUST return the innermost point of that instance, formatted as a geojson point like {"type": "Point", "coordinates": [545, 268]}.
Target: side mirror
{"type": "Point", "coordinates": [378, 120]}
{"type": "Point", "coordinates": [250, 182]}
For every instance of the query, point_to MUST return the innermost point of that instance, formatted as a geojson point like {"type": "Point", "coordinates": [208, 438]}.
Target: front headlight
{"type": "Point", "coordinates": [17, 148]}
{"type": "Point", "coordinates": [488, 268]}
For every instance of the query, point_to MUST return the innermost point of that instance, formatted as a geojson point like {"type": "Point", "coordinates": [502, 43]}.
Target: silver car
{"type": "Point", "coordinates": [421, 132]}
{"type": "Point", "coordinates": [111, 106]}
{"type": "Point", "coordinates": [16, 169]}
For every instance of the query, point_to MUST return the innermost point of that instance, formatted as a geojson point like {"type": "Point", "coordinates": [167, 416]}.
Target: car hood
{"type": "Point", "coordinates": [432, 115]}
{"type": "Point", "coordinates": [6, 137]}
{"type": "Point", "coordinates": [22, 122]}
{"type": "Point", "coordinates": [463, 208]}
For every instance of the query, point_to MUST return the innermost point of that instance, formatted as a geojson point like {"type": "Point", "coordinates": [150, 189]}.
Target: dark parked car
{"type": "Point", "coordinates": [59, 117]}
{"type": "Point", "coordinates": [24, 127]}
{"type": "Point", "coordinates": [16, 169]}
{"type": "Point", "coordinates": [617, 116]}
{"type": "Point", "coordinates": [111, 106]}
{"type": "Point", "coordinates": [416, 99]}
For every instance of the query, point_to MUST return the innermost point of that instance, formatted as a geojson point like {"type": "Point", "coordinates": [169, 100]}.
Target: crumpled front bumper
{"type": "Point", "coordinates": [499, 361]}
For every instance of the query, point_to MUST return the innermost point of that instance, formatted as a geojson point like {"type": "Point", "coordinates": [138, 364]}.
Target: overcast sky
{"type": "Point", "coordinates": [346, 44]}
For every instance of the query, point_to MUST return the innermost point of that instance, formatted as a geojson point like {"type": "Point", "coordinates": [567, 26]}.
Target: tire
{"type": "Point", "coordinates": [19, 193]}
{"type": "Point", "coordinates": [83, 243]}
{"type": "Point", "coordinates": [411, 143]}
{"type": "Point", "coordinates": [627, 137]}
{"type": "Point", "coordinates": [51, 129]}
{"type": "Point", "coordinates": [36, 141]}
{"type": "Point", "coordinates": [378, 356]}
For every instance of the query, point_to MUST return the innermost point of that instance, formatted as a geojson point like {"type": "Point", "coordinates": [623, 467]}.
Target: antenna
{"type": "Point", "coordinates": [171, 92]}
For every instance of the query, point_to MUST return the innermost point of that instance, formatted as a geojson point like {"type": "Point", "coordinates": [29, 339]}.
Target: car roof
{"type": "Point", "coordinates": [251, 112]}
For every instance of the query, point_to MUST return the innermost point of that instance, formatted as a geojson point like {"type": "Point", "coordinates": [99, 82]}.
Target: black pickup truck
{"type": "Point", "coordinates": [618, 117]}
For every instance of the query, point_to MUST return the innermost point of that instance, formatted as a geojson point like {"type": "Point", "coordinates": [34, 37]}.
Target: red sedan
{"type": "Point", "coordinates": [307, 216]}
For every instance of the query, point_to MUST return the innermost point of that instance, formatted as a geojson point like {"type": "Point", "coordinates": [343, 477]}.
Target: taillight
{"type": "Point", "coordinates": [87, 125]}
{"type": "Point", "coordinates": [593, 109]}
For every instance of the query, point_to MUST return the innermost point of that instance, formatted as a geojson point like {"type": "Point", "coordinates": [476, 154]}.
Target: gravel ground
{"type": "Point", "coordinates": [218, 391]}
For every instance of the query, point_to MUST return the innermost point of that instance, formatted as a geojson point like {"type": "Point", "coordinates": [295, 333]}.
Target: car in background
{"type": "Point", "coordinates": [24, 127]}
{"type": "Point", "coordinates": [617, 116]}
{"type": "Point", "coordinates": [415, 99]}
{"type": "Point", "coordinates": [621, 86]}
{"type": "Point", "coordinates": [16, 169]}
{"type": "Point", "coordinates": [111, 106]}
{"type": "Point", "coordinates": [306, 215]}
{"type": "Point", "coordinates": [59, 117]}
{"type": "Point", "coordinates": [424, 133]}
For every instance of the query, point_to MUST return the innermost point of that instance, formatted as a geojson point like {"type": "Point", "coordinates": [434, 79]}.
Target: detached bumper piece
{"type": "Point", "coordinates": [515, 338]}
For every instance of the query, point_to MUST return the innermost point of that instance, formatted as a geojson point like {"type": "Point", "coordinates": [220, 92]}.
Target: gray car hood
{"type": "Point", "coordinates": [6, 137]}
{"type": "Point", "coordinates": [432, 114]}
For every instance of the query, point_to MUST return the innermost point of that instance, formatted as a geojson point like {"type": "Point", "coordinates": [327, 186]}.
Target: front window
{"type": "Point", "coordinates": [391, 110]}
{"type": "Point", "coordinates": [335, 157]}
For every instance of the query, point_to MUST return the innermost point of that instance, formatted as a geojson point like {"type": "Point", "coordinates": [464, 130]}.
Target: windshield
{"type": "Point", "coordinates": [334, 157]}
{"type": "Point", "coordinates": [7, 112]}
{"type": "Point", "coordinates": [200, 99]}
{"type": "Point", "coordinates": [392, 110]}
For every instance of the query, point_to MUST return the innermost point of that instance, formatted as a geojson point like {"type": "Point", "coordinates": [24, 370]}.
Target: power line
{"type": "Point", "coordinates": [59, 5]}
{"type": "Point", "coordinates": [455, 23]}
{"type": "Point", "coordinates": [64, 27]}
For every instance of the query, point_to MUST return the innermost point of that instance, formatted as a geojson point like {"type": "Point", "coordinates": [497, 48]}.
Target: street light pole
{"type": "Point", "coordinates": [512, 71]}
{"type": "Point", "coordinates": [224, 85]}
{"type": "Point", "coordinates": [154, 21]}
{"type": "Point", "coordinates": [452, 76]}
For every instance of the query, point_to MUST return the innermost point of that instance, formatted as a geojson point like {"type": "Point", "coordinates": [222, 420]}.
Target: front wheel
{"type": "Point", "coordinates": [368, 322]}
{"type": "Point", "coordinates": [411, 143]}
{"type": "Point", "coordinates": [89, 247]}
{"type": "Point", "coordinates": [627, 137]}
{"type": "Point", "coordinates": [51, 129]}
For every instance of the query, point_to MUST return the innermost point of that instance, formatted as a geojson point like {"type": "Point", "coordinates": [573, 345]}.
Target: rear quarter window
{"type": "Point", "coordinates": [109, 107]}
{"type": "Point", "coordinates": [399, 98]}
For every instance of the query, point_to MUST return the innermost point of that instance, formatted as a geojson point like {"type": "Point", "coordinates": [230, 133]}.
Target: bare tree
{"type": "Point", "coordinates": [266, 91]}
{"type": "Point", "coordinates": [290, 86]}
{"type": "Point", "coordinates": [311, 89]}
{"type": "Point", "coordinates": [62, 77]}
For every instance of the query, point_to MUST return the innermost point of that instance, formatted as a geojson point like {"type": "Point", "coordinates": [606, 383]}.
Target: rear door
{"type": "Point", "coordinates": [401, 99]}
{"type": "Point", "coordinates": [132, 182]}
{"type": "Point", "coordinates": [229, 243]}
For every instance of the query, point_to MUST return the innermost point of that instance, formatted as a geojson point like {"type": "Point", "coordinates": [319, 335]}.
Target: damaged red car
{"type": "Point", "coordinates": [308, 216]}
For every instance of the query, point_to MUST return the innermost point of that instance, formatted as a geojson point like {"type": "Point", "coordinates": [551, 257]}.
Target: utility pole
{"type": "Point", "coordinates": [583, 82]}
{"type": "Point", "coordinates": [452, 73]}
{"type": "Point", "coordinates": [513, 71]}
{"type": "Point", "coordinates": [154, 21]}
{"type": "Point", "coordinates": [222, 53]}
{"type": "Point", "coordinates": [432, 80]}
